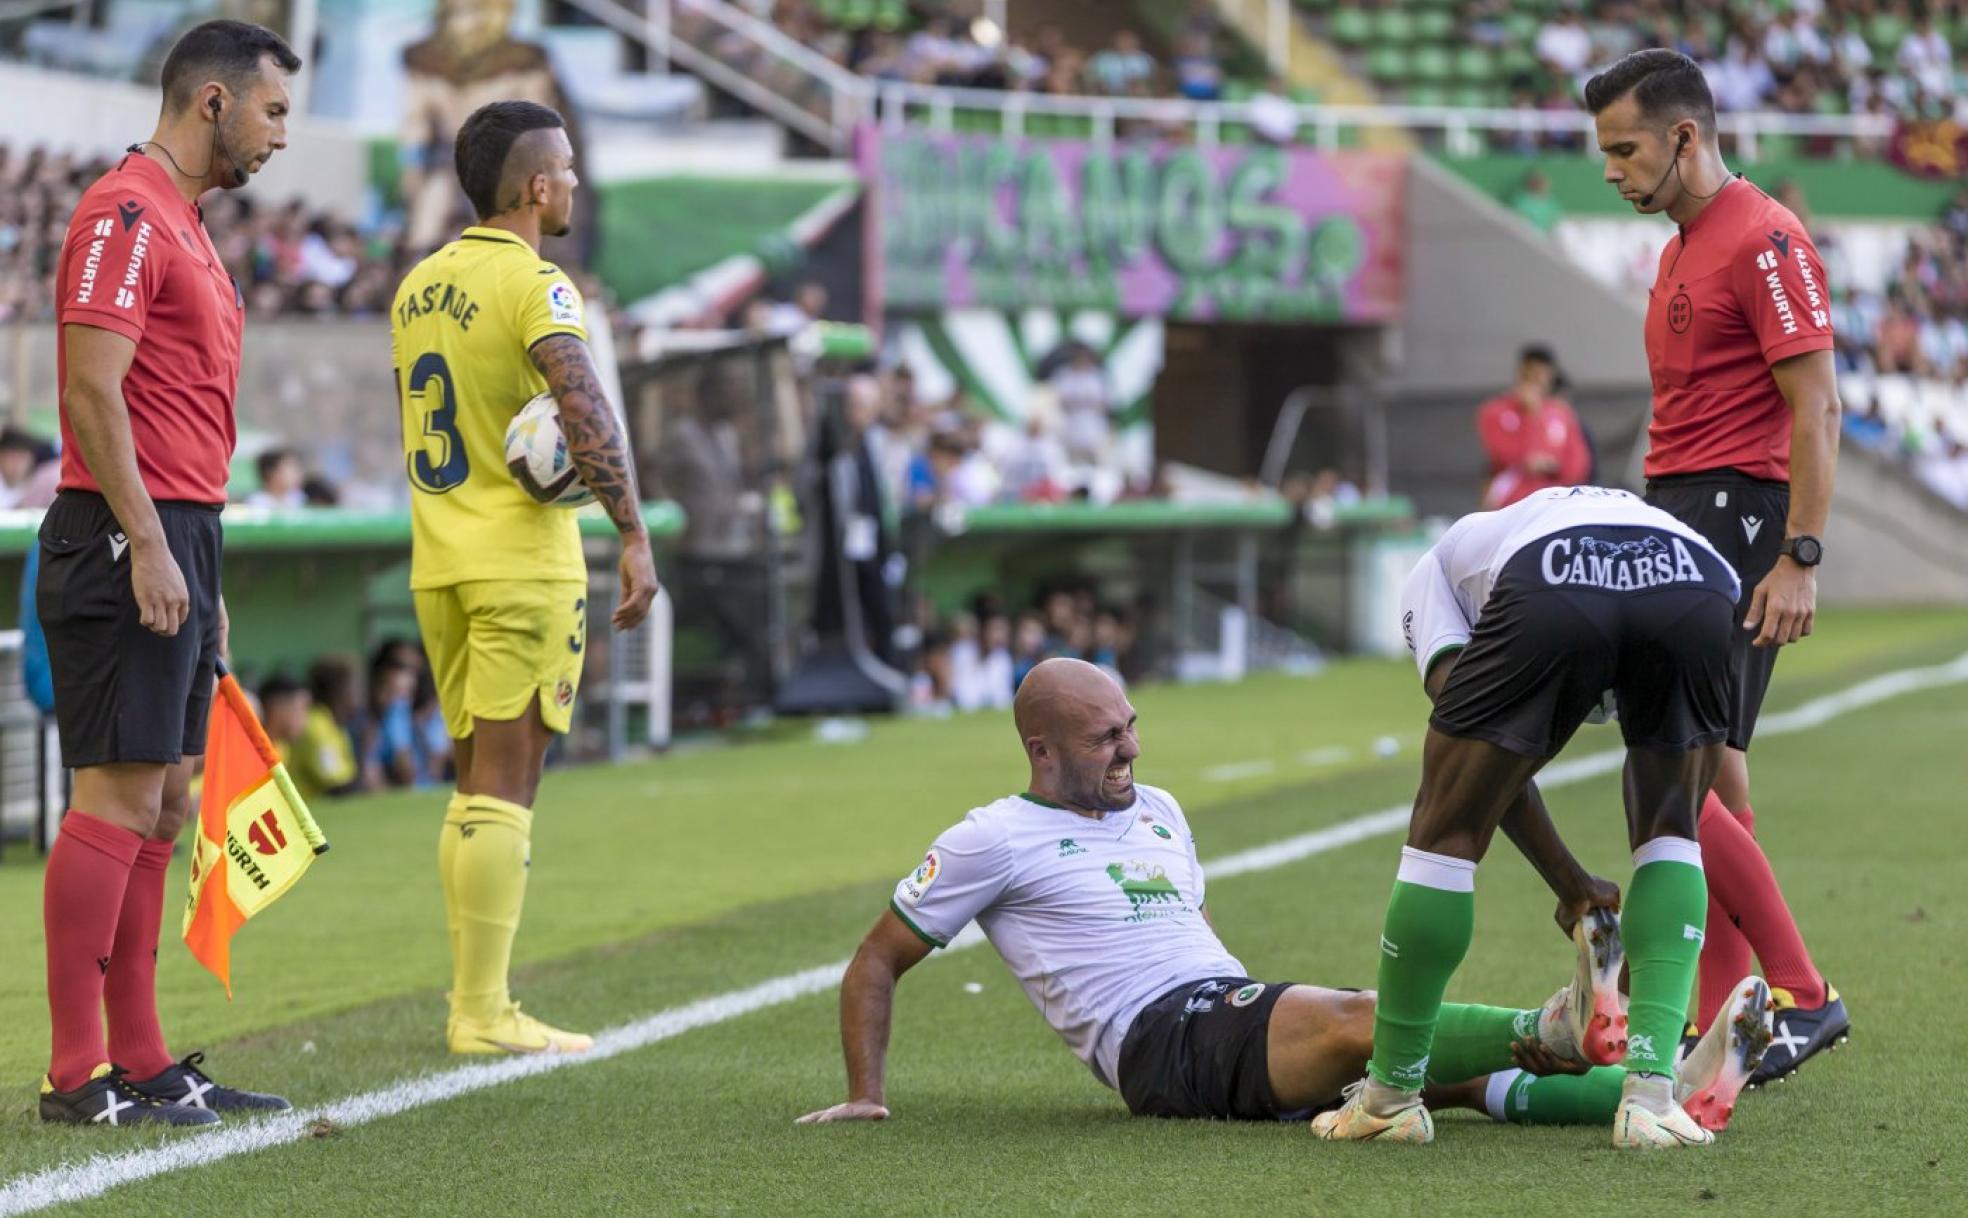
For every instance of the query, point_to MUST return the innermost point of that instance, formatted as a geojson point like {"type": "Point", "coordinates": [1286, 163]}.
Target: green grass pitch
{"type": "Point", "coordinates": [661, 883]}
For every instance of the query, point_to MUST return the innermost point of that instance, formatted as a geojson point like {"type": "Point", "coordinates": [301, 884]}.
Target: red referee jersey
{"type": "Point", "coordinates": [138, 262]}
{"type": "Point", "coordinates": [1740, 288]}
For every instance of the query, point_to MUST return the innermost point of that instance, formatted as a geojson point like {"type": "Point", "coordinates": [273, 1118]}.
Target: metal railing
{"type": "Point", "coordinates": [896, 105]}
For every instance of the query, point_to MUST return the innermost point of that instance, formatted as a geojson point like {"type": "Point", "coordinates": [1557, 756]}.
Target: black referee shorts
{"type": "Point", "coordinates": [124, 693]}
{"type": "Point", "coordinates": [1544, 652]}
{"type": "Point", "coordinates": [1743, 518]}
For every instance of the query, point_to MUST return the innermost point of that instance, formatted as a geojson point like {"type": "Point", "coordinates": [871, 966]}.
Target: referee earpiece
{"type": "Point", "coordinates": [213, 106]}
{"type": "Point", "coordinates": [1673, 166]}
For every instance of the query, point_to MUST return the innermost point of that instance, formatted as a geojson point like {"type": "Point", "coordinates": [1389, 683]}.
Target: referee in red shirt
{"type": "Point", "coordinates": [1743, 441]}
{"type": "Point", "coordinates": [129, 589]}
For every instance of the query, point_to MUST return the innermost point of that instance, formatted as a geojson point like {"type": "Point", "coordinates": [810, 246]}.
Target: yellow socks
{"type": "Point", "coordinates": [483, 854]}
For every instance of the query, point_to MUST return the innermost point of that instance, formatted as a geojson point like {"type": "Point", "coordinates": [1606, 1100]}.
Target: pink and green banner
{"type": "Point", "coordinates": [1243, 233]}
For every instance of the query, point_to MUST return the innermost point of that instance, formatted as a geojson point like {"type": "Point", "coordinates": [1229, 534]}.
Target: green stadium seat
{"type": "Point", "coordinates": [1388, 63]}
{"type": "Point", "coordinates": [1523, 28]}
{"type": "Point", "coordinates": [1237, 89]}
{"type": "Point", "coordinates": [1431, 64]}
{"type": "Point", "coordinates": [1513, 62]}
{"type": "Point", "coordinates": [1395, 25]}
{"type": "Point", "coordinates": [891, 15]}
{"type": "Point", "coordinates": [1306, 94]}
{"type": "Point", "coordinates": [830, 11]}
{"type": "Point", "coordinates": [1424, 94]}
{"type": "Point", "coordinates": [1475, 65]}
{"type": "Point", "coordinates": [1351, 27]}
{"type": "Point", "coordinates": [1474, 97]}
{"type": "Point", "coordinates": [1885, 32]}
{"type": "Point", "coordinates": [1434, 25]}
{"type": "Point", "coordinates": [857, 14]}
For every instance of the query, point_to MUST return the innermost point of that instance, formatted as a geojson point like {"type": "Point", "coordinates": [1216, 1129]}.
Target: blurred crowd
{"type": "Point", "coordinates": [944, 49]}
{"type": "Point", "coordinates": [1918, 325]}
{"type": "Point", "coordinates": [975, 658]}
{"type": "Point", "coordinates": [954, 454]}
{"type": "Point", "coordinates": [289, 260]}
{"type": "Point", "coordinates": [345, 729]}
{"type": "Point", "coordinates": [1799, 56]}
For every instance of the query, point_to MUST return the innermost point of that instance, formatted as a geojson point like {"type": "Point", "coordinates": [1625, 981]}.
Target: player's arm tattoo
{"type": "Point", "coordinates": [596, 442]}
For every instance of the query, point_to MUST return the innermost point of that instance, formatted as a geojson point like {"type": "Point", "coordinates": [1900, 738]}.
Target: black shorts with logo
{"type": "Point", "coordinates": [1200, 1050]}
{"type": "Point", "coordinates": [1544, 653]}
{"type": "Point", "coordinates": [1743, 518]}
{"type": "Point", "coordinates": [124, 693]}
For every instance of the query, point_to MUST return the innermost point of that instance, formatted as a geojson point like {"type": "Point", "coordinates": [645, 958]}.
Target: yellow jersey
{"type": "Point", "coordinates": [461, 328]}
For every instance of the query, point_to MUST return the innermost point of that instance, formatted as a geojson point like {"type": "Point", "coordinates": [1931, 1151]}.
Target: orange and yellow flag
{"type": "Point", "coordinates": [255, 837]}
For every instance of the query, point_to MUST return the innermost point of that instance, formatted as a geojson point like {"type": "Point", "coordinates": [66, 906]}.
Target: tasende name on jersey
{"type": "Point", "coordinates": [1619, 566]}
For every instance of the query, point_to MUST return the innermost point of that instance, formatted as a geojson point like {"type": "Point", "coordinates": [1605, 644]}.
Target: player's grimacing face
{"type": "Point", "coordinates": [1096, 758]}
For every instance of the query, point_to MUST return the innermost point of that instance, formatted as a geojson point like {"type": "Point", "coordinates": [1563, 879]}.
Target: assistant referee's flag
{"type": "Point", "coordinates": [255, 837]}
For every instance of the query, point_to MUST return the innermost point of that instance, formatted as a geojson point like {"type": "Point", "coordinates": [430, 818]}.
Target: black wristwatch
{"type": "Point", "coordinates": [1804, 550]}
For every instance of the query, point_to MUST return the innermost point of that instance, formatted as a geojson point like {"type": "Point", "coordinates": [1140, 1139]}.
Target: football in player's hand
{"type": "Point", "coordinates": [536, 453]}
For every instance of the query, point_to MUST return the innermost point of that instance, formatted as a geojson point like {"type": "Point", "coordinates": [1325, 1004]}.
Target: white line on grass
{"type": "Point", "coordinates": [1232, 771]}
{"type": "Point", "coordinates": [100, 1173]}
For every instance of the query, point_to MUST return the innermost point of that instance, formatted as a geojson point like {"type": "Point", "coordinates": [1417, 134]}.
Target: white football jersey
{"type": "Point", "coordinates": [1096, 917]}
{"type": "Point", "coordinates": [1448, 588]}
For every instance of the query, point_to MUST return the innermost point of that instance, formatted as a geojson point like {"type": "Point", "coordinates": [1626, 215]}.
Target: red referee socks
{"type": "Point", "coordinates": [136, 1042]}
{"type": "Point", "coordinates": [1747, 912]}
{"type": "Point", "coordinates": [81, 899]}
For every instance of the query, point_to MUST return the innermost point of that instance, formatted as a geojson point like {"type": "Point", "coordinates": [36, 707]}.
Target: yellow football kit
{"type": "Point", "coordinates": [499, 580]}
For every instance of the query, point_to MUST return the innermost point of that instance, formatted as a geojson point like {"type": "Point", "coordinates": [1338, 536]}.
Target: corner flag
{"type": "Point", "coordinates": [255, 837]}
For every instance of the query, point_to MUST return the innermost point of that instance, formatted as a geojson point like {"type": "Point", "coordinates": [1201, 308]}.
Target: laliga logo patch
{"type": "Point", "coordinates": [918, 884]}
{"type": "Point", "coordinates": [563, 304]}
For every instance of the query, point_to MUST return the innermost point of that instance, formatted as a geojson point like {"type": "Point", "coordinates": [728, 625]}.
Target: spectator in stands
{"type": "Point", "coordinates": [29, 470]}
{"type": "Point", "coordinates": [388, 735]}
{"type": "Point", "coordinates": [959, 474]}
{"type": "Point", "coordinates": [808, 305]}
{"type": "Point", "coordinates": [1034, 465]}
{"type": "Point", "coordinates": [281, 478]}
{"type": "Point", "coordinates": [1896, 343]}
{"type": "Point", "coordinates": [324, 759]}
{"type": "Point", "coordinates": [1273, 114]}
{"type": "Point", "coordinates": [1563, 45]}
{"type": "Point", "coordinates": [1123, 69]}
{"type": "Point", "coordinates": [1197, 70]}
{"type": "Point", "coordinates": [1085, 400]}
{"type": "Point", "coordinates": [1531, 436]}
{"type": "Point", "coordinates": [1613, 31]}
{"type": "Point", "coordinates": [1925, 57]}
{"type": "Point", "coordinates": [1534, 202]}
{"type": "Point", "coordinates": [1741, 79]}
{"type": "Point", "coordinates": [284, 705]}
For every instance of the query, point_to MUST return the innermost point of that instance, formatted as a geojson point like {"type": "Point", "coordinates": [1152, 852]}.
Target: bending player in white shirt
{"type": "Point", "coordinates": [1088, 886]}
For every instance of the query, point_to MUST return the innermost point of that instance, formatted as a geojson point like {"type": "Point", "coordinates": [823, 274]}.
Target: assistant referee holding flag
{"type": "Point", "coordinates": [129, 588]}
{"type": "Point", "coordinates": [1742, 445]}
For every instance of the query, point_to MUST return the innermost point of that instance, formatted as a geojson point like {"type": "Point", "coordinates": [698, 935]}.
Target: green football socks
{"type": "Point", "coordinates": [1430, 920]}
{"type": "Point", "coordinates": [1555, 1099]}
{"type": "Point", "coordinates": [1471, 1040]}
{"type": "Point", "coordinates": [1666, 906]}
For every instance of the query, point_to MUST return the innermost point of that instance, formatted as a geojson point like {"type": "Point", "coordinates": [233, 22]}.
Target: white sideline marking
{"type": "Point", "coordinates": [1330, 755]}
{"type": "Point", "coordinates": [97, 1175]}
{"type": "Point", "coordinates": [1232, 771]}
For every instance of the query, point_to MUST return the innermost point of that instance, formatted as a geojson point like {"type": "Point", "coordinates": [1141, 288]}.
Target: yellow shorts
{"type": "Point", "coordinates": [495, 645]}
